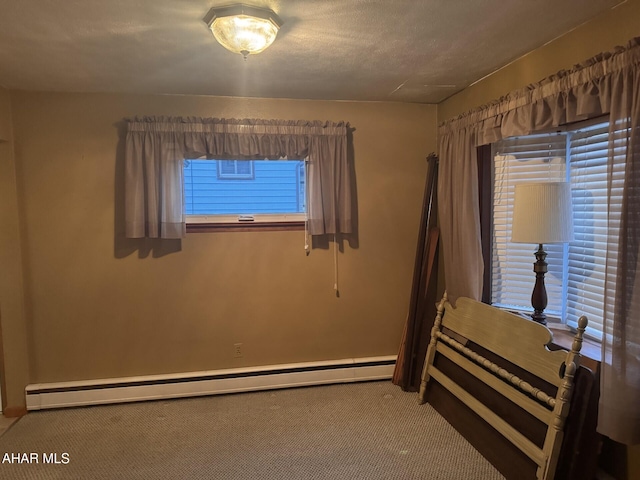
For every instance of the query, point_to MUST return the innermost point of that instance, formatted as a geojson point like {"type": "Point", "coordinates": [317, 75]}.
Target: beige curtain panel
{"type": "Point", "coordinates": [606, 84]}
{"type": "Point", "coordinates": [156, 147]}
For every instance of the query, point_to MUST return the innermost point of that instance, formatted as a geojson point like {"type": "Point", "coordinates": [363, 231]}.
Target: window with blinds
{"type": "Point", "coordinates": [577, 275]}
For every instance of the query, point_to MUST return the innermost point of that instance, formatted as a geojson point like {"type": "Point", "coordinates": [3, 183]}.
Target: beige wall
{"type": "Point", "coordinates": [602, 34]}
{"type": "Point", "coordinates": [99, 310]}
{"type": "Point", "coordinates": [12, 312]}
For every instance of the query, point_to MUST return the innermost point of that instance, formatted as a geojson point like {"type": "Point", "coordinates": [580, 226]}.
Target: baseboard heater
{"type": "Point", "coordinates": [155, 387]}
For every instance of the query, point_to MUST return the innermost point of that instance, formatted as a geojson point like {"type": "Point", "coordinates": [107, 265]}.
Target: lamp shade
{"type": "Point", "coordinates": [542, 213]}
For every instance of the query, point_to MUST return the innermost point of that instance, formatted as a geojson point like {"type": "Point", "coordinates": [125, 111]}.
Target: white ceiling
{"type": "Point", "coordinates": [387, 50]}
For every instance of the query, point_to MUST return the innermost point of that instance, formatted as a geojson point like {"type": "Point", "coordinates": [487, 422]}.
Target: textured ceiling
{"type": "Point", "coordinates": [388, 50]}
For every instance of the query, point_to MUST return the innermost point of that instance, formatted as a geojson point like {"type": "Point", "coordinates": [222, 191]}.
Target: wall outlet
{"type": "Point", "coordinates": [237, 350]}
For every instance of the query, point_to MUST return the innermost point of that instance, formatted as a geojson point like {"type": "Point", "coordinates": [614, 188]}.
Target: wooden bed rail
{"type": "Point", "coordinates": [489, 328]}
{"type": "Point", "coordinates": [496, 369]}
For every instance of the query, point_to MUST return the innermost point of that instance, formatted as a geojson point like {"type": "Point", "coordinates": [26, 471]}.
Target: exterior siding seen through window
{"type": "Point", "coordinates": [275, 187]}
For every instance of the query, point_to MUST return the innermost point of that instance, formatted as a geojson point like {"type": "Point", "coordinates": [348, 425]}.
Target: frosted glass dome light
{"type": "Point", "coordinates": [243, 29]}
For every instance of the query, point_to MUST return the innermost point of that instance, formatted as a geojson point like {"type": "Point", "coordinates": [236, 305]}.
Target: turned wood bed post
{"type": "Point", "coordinates": [431, 349]}
{"type": "Point", "coordinates": [555, 433]}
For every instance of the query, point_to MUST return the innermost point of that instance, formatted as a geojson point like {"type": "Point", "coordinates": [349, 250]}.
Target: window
{"type": "Point", "coordinates": [235, 169]}
{"type": "Point", "coordinates": [577, 277]}
{"type": "Point", "coordinates": [224, 191]}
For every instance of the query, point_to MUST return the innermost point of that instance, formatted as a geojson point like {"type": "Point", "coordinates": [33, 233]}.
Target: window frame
{"type": "Point", "coordinates": [235, 176]}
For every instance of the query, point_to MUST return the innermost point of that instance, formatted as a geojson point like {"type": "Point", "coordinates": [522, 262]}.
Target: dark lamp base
{"type": "Point", "coordinates": [539, 295]}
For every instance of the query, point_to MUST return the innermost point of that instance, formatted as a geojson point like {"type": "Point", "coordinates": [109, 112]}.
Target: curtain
{"type": "Point", "coordinates": [155, 148]}
{"type": "Point", "coordinates": [619, 416]}
{"type": "Point", "coordinates": [606, 84]}
{"type": "Point", "coordinates": [459, 214]}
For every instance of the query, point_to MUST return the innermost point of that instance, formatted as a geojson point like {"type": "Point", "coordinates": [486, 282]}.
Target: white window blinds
{"type": "Point", "coordinates": [587, 270]}
{"type": "Point", "coordinates": [577, 275]}
{"type": "Point", "coordinates": [516, 160]}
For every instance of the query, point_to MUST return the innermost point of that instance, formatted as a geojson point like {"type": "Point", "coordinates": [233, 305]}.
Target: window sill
{"type": "Point", "coordinates": [563, 338]}
{"type": "Point", "coordinates": [590, 352]}
{"type": "Point", "coordinates": [244, 227]}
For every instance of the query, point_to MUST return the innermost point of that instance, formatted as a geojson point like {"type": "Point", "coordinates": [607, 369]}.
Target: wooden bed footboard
{"type": "Point", "coordinates": [474, 337]}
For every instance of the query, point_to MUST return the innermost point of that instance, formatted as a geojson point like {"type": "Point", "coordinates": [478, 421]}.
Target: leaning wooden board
{"type": "Point", "coordinates": [469, 337]}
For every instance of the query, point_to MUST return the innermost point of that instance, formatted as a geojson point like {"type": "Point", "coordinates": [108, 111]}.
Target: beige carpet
{"type": "Point", "coordinates": [362, 431]}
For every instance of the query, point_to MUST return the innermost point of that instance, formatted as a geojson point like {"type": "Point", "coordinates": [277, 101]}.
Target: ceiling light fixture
{"type": "Point", "coordinates": [242, 28]}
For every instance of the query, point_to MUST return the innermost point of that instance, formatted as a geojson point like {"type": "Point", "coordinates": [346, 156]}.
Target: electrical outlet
{"type": "Point", "coordinates": [237, 350]}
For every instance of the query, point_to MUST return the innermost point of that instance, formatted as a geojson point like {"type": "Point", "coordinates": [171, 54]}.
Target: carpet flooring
{"type": "Point", "coordinates": [360, 431]}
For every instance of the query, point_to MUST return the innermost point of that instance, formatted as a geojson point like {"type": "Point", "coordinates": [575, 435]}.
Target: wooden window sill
{"type": "Point", "coordinates": [244, 227]}
{"type": "Point", "coordinates": [591, 353]}
{"type": "Point", "coordinates": [563, 338]}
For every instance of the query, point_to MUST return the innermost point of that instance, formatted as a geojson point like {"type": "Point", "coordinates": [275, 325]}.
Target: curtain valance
{"type": "Point", "coordinates": [232, 125]}
{"type": "Point", "coordinates": [250, 138]}
{"type": "Point", "coordinates": [155, 148]}
{"type": "Point", "coordinates": [583, 92]}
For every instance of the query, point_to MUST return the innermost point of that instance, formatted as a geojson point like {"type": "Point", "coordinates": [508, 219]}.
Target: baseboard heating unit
{"type": "Point", "coordinates": [155, 387]}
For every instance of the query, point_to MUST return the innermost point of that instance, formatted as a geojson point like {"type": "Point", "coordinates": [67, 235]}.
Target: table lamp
{"type": "Point", "coordinates": [541, 214]}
